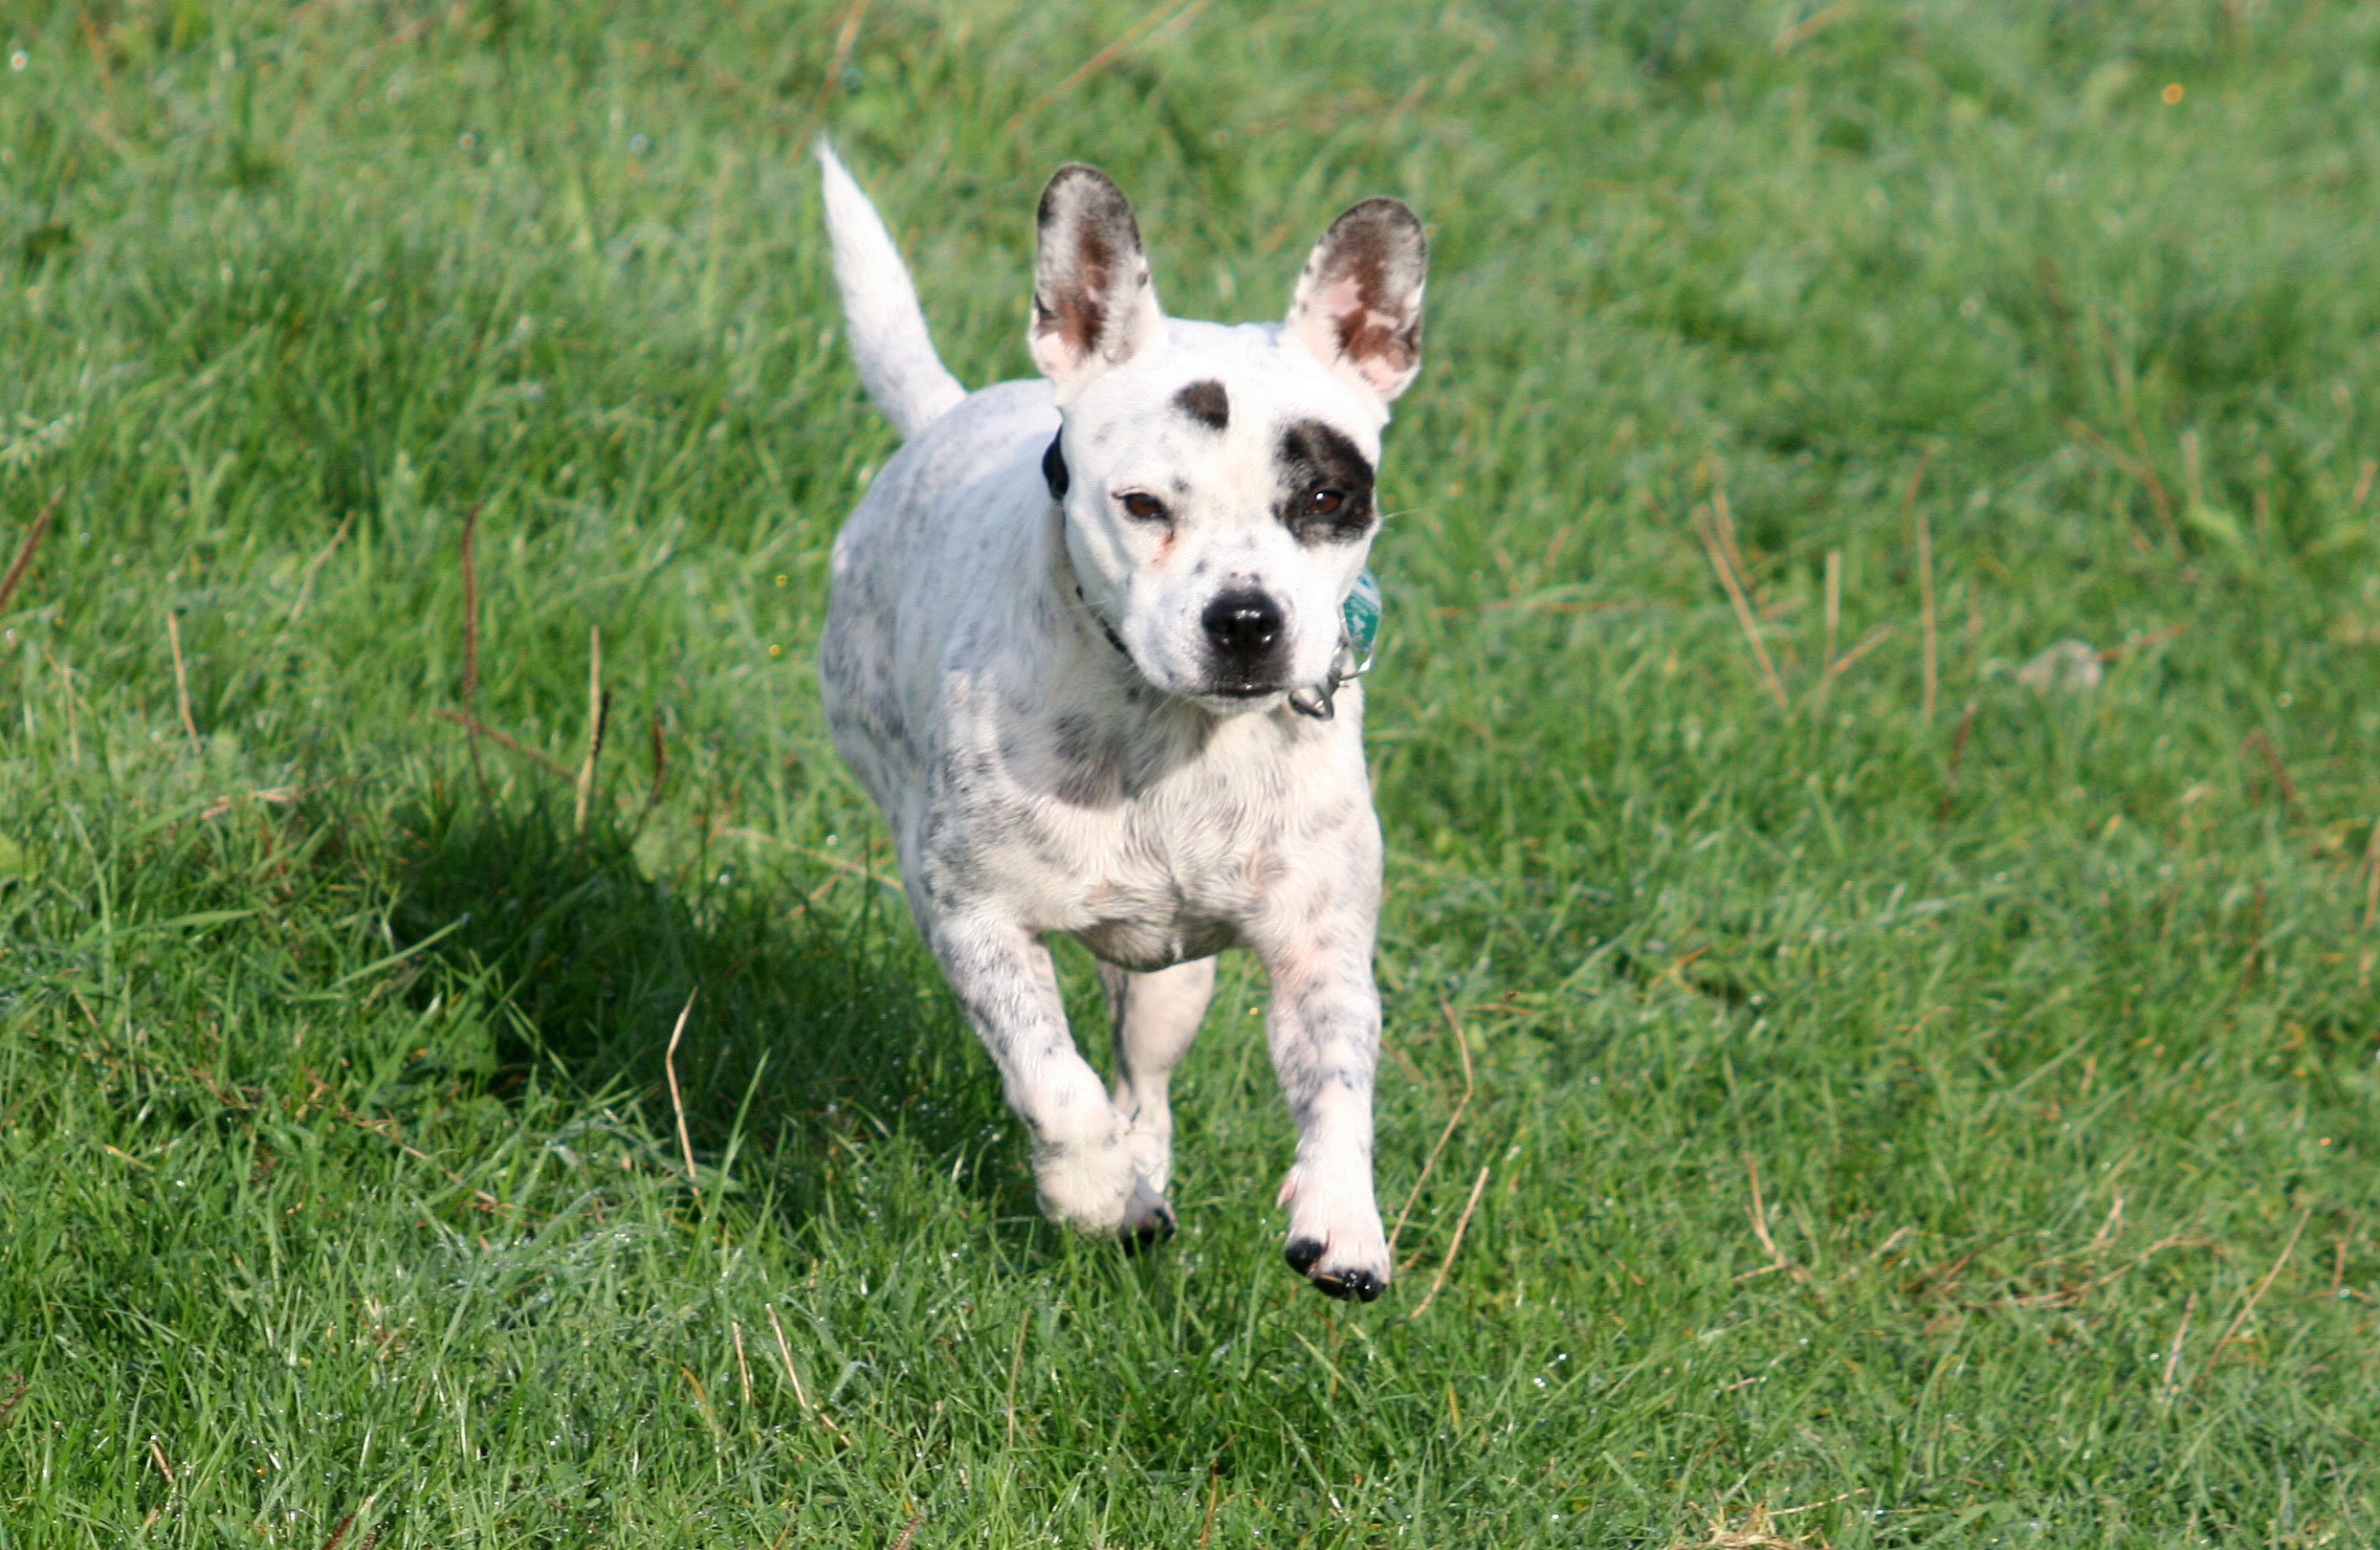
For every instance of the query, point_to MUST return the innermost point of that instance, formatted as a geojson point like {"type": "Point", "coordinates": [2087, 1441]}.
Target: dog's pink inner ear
{"type": "Point", "coordinates": [1358, 305]}
{"type": "Point", "coordinates": [1076, 309]}
{"type": "Point", "coordinates": [1092, 297]}
{"type": "Point", "coordinates": [1368, 332]}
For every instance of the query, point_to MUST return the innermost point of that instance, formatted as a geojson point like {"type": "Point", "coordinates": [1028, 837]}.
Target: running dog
{"type": "Point", "coordinates": [1085, 648]}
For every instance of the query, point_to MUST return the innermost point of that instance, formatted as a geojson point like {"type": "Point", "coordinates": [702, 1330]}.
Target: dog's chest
{"type": "Point", "coordinates": [1157, 885]}
{"type": "Point", "coordinates": [1150, 847]}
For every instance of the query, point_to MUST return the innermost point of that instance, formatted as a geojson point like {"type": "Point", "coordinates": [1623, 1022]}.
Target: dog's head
{"type": "Point", "coordinates": [1217, 481]}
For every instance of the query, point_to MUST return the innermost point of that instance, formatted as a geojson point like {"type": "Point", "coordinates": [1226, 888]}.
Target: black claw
{"type": "Point", "coordinates": [1304, 1254]}
{"type": "Point", "coordinates": [1141, 1239]}
{"type": "Point", "coordinates": [1361, 1285]}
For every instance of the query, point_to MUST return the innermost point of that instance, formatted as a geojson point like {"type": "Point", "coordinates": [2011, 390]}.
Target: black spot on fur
{"type": "Point", "coordinates": [1087, 767]}
{"type": "Point", "coordinates": [1053, 468]}
{"type": "Point", "coordinates": [1314, 463]}
{"type": "Point", "coordinates": [1205, 402]}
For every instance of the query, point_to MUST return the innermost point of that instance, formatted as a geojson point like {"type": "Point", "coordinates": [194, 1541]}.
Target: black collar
{"type": "Point", "coordinates": [1053, 470]}
{"type": "Point", "coordinates": [1106, 629]}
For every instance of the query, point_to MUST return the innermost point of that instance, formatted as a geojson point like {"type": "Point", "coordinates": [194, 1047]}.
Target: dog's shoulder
{"type": "Point", "coordinates": [936, 488]}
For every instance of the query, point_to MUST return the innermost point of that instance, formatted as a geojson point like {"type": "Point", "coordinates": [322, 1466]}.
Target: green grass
{"type": "Point", "coordinates": [339, 1182]}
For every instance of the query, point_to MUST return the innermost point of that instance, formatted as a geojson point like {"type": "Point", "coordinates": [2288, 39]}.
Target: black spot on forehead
{"type": "Point", "coordinates": [1312, 462]}
{"type": "Point", "coordinates": [1205, 402]}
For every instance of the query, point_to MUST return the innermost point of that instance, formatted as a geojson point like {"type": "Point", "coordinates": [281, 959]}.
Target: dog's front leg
{"type": "Point", "coordinates": [1324, 1028]}
{"type": "Point", "coordinates": [1082, 1161]}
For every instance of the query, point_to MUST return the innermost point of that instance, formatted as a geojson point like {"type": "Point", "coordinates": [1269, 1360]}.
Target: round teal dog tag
{"type": "Point", "coordinates": [1360, 617]}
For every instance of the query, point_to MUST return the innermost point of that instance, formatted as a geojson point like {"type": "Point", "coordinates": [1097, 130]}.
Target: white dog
{"type": "Point", "coordinates": [1082, 649]}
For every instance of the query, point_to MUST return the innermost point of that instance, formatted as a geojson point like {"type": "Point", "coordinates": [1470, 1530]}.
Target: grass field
{"type": "Point", "coordinates": [1905, 1106]}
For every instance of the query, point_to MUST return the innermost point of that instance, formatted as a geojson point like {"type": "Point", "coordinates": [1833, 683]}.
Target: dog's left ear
{"type": "Point", "coordinates": [1358, 303]}
{"type": "Point", "coordinates": [1094, 304]}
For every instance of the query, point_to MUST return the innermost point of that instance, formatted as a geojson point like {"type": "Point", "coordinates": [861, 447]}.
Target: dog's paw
{"type": "Point", "coordinates": [1099, 1190]}
{"type": "Point", "coordinates": [1336, 1244]}
{"type": "Point", "coordinates": [1087, 1185]}
{"type": "Point", "coordinates": [1148, 1220]}
{"type": "Point", "coordinates": [1306, 1257]}
{"type": "Point", "coordinates": [1152, 1146]}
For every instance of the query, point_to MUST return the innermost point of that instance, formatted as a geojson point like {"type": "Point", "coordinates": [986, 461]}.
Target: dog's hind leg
{"type": "Point", "coordinates": [1080, 1161]}
{"type": "Point", "coordinates": [1155, 1015]}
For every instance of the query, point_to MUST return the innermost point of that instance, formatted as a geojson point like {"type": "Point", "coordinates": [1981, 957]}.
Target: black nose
{"type": "Point", "coordinates": [1244, 625]}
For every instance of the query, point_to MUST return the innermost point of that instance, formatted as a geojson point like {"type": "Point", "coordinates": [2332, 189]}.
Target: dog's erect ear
{"type": "Point", "coordinates": [1358, 305]}
{"type": "Point", "coordinates": [1092, 303]}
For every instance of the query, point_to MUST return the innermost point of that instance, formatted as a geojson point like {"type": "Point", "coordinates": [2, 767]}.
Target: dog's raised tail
{"type": "Point", "coordinates": [880, 311]}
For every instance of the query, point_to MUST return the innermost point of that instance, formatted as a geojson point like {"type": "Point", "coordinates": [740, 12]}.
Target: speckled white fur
{"type": "Point", "coordinates": [1024, 685]}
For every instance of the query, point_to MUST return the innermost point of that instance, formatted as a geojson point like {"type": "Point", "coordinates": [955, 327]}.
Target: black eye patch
{"type": "Point", "coordinates": [1323, 484]}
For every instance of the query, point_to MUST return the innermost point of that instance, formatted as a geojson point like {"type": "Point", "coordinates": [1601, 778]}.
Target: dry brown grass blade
{"type": "Point", "coordinates": [850, 867]}
{"type": "Point", "coordinates": [180, 673]}
{"type": "Point", "coordinates": [1759, 1212]}
{"type": "Point", "coordinates": [660, 764]}
{"type": "Point", "coordinates": [1757, 1532]}
{"type": "Point", "coordinates": [1723, 519]}
{"type": "Point", "coordinates": [1015, 1364]}
{"type": "Point", "coordinates": [1206, 1520]}
{"type": "Point", "coordinates": [1801, 31]}
{"type": "Point", "coordinates": [800, 1395]}
{"type": "Point", "coordinates": [1841, 664]}
{"type": "Point", "coordinates": [2166, 1391]}
{"type": "Point", "coordinates": [1156, 16]}
{"type": "Point", "coordinates": [2255, 1297]}
{"type": "Point", "coordinates": [1446, 1264]}
{"type": "Point", "coordinates": [313, 568]}
{"type": "Point", "coordinates": [846, 33]}
{"type": "Point", "coordinates": [677, 1106]}
{"type": "Point", "coordinates": [1834, 609]}
{"type": "Point", "coordinates": [1958, 752]}
{"type": "Point", "coordinates": [598, 713]}
{"type": "Point", "coordinates": [470, 604]}
{"type": "Point", "coordinates": [2142, 474]}
{"type": "Point", "coordinates": [2155, 638]}
{"type": "Point", "coordinates": [2263, 745]}
{"type": "Point", "coordinates": [1704, 526]}
{"type": "Point", "coordinates": [2128, 401]}
{"type": "Point", "coordinates": [25, 550]}
{"type": "Point", "coordinates": [481, 729]}
{"type": "Point", "coordinates": [2371, 877]}
{"type": "Point", "coordinates": [1462, 1046]}
{"type": "Point", "coordinates": [1925, 578]}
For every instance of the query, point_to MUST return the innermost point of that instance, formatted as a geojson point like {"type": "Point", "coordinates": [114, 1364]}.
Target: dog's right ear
{"type": "Point", "coordinates": [1092, 303]}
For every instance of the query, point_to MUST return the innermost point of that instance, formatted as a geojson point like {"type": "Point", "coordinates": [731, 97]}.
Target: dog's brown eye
{"type": "Point", "coordinates": [1323, 502]}
{"type": "Point", "coordinates": [1143, 505]}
